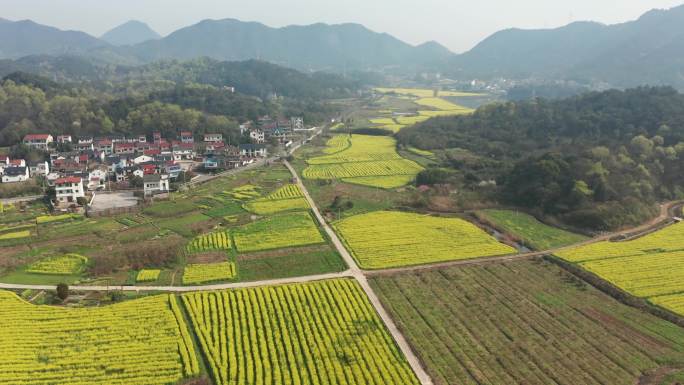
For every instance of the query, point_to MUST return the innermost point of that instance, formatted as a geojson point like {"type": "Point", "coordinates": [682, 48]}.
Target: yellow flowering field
{"type": "Point", "coordinates": [368, 157]}
{"type": "Point", "coordinates": [216, 241]}
{"type": "Point", "coordinates": [208, 272]}
{"type": "Point", "coordinates": [650, 266]}
{"type": "Point", "coordinates": [336, 144]}
{"type": "Point", "coordinates": [147, 275]}
{"type": "Point", "coordinates": [142, 342]}
{"type": "Point", "coordinates": [386, 239]}
{"type": "Point", "coordinates": [61, 265]}
{"type": "Point", "coordinates": [316, 333]}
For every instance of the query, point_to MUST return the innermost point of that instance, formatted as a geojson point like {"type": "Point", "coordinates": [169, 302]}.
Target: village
{"type": "Point", "coordinates": [125, 171]}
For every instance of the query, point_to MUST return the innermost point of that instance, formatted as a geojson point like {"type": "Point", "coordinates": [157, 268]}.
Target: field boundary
{"type": "Point", "coordinates": [615, 292]}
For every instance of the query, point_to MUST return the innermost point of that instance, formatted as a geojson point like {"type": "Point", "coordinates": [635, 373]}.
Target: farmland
{"type": "Point", "coordinates": [61, 265]}
{"type": "Point", "coordinates": [136, 342]}
{"type": "Point", "coordinates": [208, 272]}
{"type": "Point", "coordinates": [317, 333]}
{"type": "Point", "coordinates": [525, 322]}
{"type": "Point", "coordinates": [194, 227]}
{"type": "Point", "coordinates": [286, 198]}
{"type": "Point", "coordinates": [529, 230]}
{"type": "Point", "coordinates": [388, 239]}
{"type": "Point", "coordinates": [370, 161]}
{"type": "Point", "coordinates": [147, 275]}
{"type": "Point", "coordinates": [286, 230]}
{"type": "Point", "coordinates": [649, 267]}
{"type": "Point", "coordinates": [218, 240]}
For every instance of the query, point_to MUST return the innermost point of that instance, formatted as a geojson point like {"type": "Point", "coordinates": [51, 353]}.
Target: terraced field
{"type": "Point", "coordinates": [526, 323]}
{"type": "Point", "coordinates": [651, 266]}
{"type": "Point", "coordinates": [143, 342]}
{"type": "Point", "coordinates": [371, 161]}
{"type": "Point", "coordinates": [318, 333]}
{"type": "Point", "coordinates": [286, 198]}
{"type": "Point", "coordinates": [532, 232]}
{"type": "Point", "coordinates": [386, 239]}
{"type": "Point", "coordinates": [147, 275]}
{"type": "Point", "coordinates": [216, 241]}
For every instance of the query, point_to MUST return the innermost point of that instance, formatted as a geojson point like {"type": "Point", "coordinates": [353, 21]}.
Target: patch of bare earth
{"type": "Point", "coordinates": [657, 377]}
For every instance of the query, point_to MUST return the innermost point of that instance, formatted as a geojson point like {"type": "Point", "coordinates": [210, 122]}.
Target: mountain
{"type": "Point", "coordinates": [647, 50]}
{"type": "Point", "coordinates": [313, 47]}
{"type": "Point", "coordinates": [23, 38]}
{"type": "Point", "coordinates": [130, 33]}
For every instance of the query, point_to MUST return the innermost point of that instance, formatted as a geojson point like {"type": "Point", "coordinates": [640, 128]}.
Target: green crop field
{"type": "Point", "coordinates": [142, 342]}
{"type": "Point", "coordinates": [317, 333]}
{"type": "Point", "coordinates": [525, 323]}
{"type": "Point", "coordinates": [649, 267]}
{"type": "Point", "coordinates": [529, 230]}
{"type": "Point", "coordinates": [386, 239]}
{"type": "Point", "coordinates": [371, 161]}
{"type": "Point", "coordinates": [286, 230]}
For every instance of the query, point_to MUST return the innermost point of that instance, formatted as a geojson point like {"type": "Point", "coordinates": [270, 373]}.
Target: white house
{"type": "Point", "coordinates": [68, 190]}
{"type": "Point", "coordinates": [15, 174]}
{"type": "Point", "coordinates": [155, 184]}
{"type": "Point", "coordinates": [97, 180]}
{"type": "Point", "coordinates": [253, 150]}
{"type": "Point", "coordinates": [64, 139]}
{"type": "Point", "coordinates": [213, 137]}
{"type": "Point", "coordinates": [41, 168]}
{"type": "Point", "coordinates": [257, 136]}
{"type": "Point", "coordinates": [39, 141]}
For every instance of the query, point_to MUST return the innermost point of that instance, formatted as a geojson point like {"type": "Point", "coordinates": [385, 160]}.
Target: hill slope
{"type": "Point", "coordinates": [130, 33]}
{"type": "Point", "coordinates": [318, 46]}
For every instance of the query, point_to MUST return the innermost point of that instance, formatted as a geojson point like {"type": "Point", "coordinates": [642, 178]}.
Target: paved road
{"type": "Point", "coordinates": [357, 273]}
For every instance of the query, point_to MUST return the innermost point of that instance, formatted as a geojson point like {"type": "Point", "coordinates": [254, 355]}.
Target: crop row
{"type": "Point", "coordinates": [360, 169]}
{"type": "Point", "coordinates": [216, 241]}
{"type": "Point", "coordinates": [137, 342]}
{"type": "Point", "coordinates": [318, 333]}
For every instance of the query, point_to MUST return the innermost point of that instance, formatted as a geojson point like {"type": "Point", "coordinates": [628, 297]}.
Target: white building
{"type": "Point", "coordinates": [15, 174]}
{"type": "Point", "coordinates": [297, 123]}
{"type": "Point", "coordinates": [41, 168]}
{"type": "Point", "coordinates": [39, 141]}
{"type": "Point", "coordinates": [68, 190]}
{"type": "Point", "coordinates": [155, 184]}
{"type": "Point", "coordinates": [253, 150]}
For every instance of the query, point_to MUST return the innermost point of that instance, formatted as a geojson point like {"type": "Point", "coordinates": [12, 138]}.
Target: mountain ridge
{"type": "Point", "coordinates": [130, 33]}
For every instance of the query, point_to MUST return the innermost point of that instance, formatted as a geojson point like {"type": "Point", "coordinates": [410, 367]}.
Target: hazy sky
{"type": "Point", "coordinates": [458, 24]}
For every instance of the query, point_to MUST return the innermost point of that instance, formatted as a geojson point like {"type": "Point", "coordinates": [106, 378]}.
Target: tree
{"type": "Point", "coordinates": [63, 291]}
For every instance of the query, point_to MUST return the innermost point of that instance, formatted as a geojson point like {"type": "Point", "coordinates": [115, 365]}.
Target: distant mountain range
{"type": "Point", "coordinates": [130, 33]}
{"type": "Point", "coordinates": [649, 50]}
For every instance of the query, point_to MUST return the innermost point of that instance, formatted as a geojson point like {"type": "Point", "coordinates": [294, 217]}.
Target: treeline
{"type": "Point", "coordinates": [27, 108]}
{"type": "Point", "coordinates": [598, 160]}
